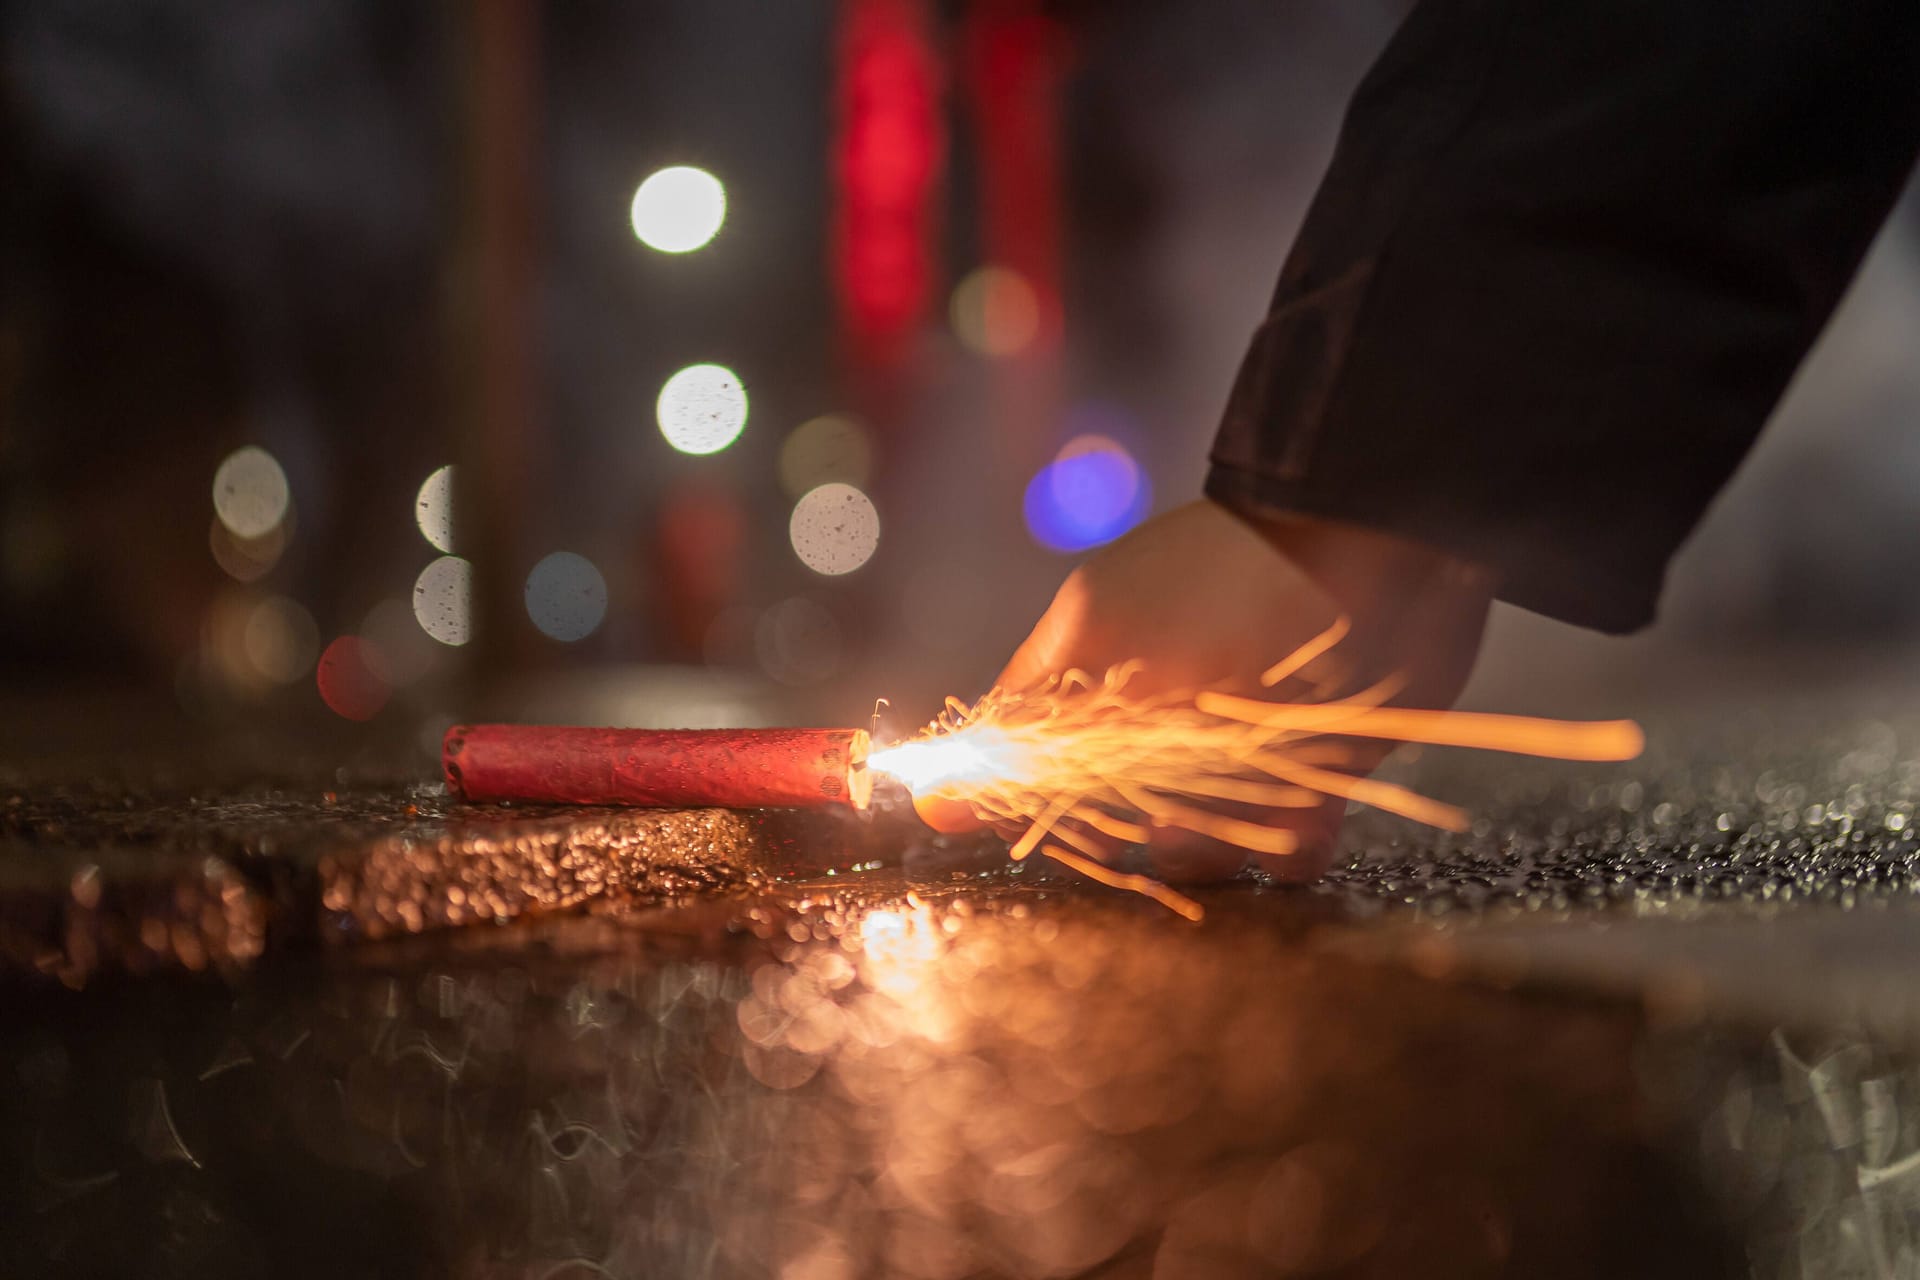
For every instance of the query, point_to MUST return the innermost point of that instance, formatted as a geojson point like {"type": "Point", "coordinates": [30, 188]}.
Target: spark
{"type": "Point", "coordinates": [1082, 755]}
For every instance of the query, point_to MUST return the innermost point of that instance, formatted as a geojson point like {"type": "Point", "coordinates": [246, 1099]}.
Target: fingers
{"type": "Point", "coordinates": [1186, 857]}
{"type": "Point", "coordinates": [1180, 856]}
{"type": "Point", "coordinates": [1028, 667]}
{"type": "Point", "coordinates": [1319, 831]}
{"type": "Point", "coordinates": [1051, 646]}
{"type": "Point", "coordinates": [949, 817]}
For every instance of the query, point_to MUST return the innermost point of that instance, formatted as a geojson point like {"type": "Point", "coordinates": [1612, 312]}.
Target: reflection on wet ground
{"type": "Point", "coordinates": [1643, 1022]}
{"type": "Point", "coordinates": [880, 1083]}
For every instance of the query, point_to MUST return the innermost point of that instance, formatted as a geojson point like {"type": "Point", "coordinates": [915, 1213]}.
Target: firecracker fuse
{"type": "Point", "coordinates": [659, 768]}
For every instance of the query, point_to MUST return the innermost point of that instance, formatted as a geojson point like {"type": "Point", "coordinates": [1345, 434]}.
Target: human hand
{"type": "Point", "coordinates": [1205, 597]}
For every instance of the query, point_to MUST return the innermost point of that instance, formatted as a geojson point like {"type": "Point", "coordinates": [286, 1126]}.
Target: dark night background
{"type": "Point", "coordinates": [268, 266]}
{"type": "Point", "coordinates": [247, 224]}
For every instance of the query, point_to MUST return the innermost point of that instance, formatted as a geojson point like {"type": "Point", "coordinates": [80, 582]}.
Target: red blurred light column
{"type": "Point", "coordinates": [889, 152]}
{"type": "Point", "coordinates": [1014, 61]}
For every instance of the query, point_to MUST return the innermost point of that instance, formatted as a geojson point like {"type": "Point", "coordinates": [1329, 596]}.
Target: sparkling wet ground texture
{"type": "Point", "coordinates": [1648, 1020]}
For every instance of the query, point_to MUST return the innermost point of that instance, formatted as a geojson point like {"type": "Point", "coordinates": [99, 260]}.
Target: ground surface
{"type": "Point", "coordinates": [344, 1027]}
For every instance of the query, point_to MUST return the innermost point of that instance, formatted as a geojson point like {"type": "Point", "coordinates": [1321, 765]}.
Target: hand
{"type": "Point", "coordinates": [1205, 597]}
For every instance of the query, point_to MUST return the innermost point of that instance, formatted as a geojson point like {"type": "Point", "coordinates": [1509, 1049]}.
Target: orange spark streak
{"type": "Point", "coordinates": [1370, 791]}
{"type": "Point", "coordinates": [1069, 759]}
{"type": "Point", "coordinates": [1106, 875]}
{"type": "Point", "coordinates": [1595, 740]}
{"type": "Point", "coordinates": [1079, 840]}
{"type": "Point", "coordinates": [1299, 658]}
{"type": "Point", "coordinates": [1250, 791]}
{"type": "Point", "coordinates": [1108, 825]}
{"type": "Point", "coordinates": [1248, 835]}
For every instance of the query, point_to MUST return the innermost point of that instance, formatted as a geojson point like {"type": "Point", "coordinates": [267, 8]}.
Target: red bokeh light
{"type": "Point", "coordinates": [347, 681]}
{"type": "Point", "coordinates": [888, 157]}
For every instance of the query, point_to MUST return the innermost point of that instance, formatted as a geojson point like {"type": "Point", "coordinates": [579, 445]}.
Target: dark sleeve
{"type": "Point", "coordinates": [1564, 263]}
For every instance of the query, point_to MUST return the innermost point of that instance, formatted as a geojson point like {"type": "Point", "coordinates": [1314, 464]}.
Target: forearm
{"type": "Point", "coordinates": [1566, 259]}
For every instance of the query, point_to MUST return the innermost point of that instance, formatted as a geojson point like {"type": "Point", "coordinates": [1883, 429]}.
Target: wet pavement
{"type": "Point", "coordinates": [1643, 1020]}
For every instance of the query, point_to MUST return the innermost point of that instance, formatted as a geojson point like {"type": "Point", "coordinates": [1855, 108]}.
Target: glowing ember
{"type": "Point", "coordinates": [1080, 758]}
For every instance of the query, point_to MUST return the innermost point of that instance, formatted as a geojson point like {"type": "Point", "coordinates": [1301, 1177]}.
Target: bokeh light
{"type": "Point", "coordinates": [702, 409]}
{"type": "Point", "coordinates": [250, 492]}
{"type": "Point", "coordinates": [835, 529]}
{"type": "Point", "coordinates": [995, 312]}
{"type": "Point", "coordinates": [224, 664]}
{"type": "Point", "coordinates": [433, 509]}
{"type": "Point", "coordinates": [1091, 493]}
{"type": "Point", "coordinates": [566, 596]}
{"type": "Point", "coordinates": [443, 600]}
{"type": "Point", "coordinates": [798, 642]}
{"type": "Point", "coordinates": [679, 209]}
{"type": "Point", "coordinates": [398, 651]}
{"type": "Point", "coordinates": [823, 450]}
{"type": "Point", "coordinates": [347, 681]}
{"type": "Point", "coordinates": [279, 639]}
{"type": "Point", "coordinates": [249, 559]}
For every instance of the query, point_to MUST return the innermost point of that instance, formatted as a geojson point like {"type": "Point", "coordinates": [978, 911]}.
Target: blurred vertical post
{"type": "Point", "coordinates": [1015, 60]}
{"type": "Point", "coordinates": [490, 288]}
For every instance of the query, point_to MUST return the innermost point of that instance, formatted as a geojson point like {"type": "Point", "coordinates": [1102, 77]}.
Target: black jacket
{"type": "Point", "coordinates": [1564, 263]}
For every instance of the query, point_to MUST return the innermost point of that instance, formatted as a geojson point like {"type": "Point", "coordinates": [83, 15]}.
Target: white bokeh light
{"type": "Point", "coordinates": [702, 409]}
{"type": "Point", "coordinates": [566, 596]}
{"type": "Point", "coordinates": [250, 492]}
{"type": "Point", "coordinates": [443, 600]}
{"type": "Point", "coordinates": [834, 529]}
{"type": "Point", "coordinates": [433, 509]}
{"type": "Point", "coordinates": [677, 210]}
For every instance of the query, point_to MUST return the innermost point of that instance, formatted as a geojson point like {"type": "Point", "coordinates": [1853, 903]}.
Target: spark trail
{"type": "Point", "coordinates": [1079, 764]}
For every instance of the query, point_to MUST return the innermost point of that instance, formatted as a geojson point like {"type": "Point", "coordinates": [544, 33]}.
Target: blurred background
{"type": "Point", "coordinates": [368, 365]}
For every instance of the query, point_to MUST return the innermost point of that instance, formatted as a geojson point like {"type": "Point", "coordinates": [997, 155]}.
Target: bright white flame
{"type": "Point", "coordinates": [679, 209]}
{"type": "Point", "coordinates": [250, 492]}
{"type": "Point", "coordinates": [951, 763]}
{"type": "Point", "coordinates": [443, 600]}
{"type": "Point", "coordinates": [433, 509]}
{"type": "Point", "coordinates": [702, 409]}
{"type": "Point", "coordinates": [566, 596]}
{"type": "Point", "coordinates": [835, 529]}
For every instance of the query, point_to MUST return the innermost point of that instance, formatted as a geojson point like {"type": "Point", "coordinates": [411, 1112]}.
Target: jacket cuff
{"type": "Point", "coordinates": [1531, 573]}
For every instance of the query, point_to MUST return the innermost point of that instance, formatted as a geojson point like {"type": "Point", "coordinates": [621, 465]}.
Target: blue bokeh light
{"type": "Point", "coordinates": [1092, 493]}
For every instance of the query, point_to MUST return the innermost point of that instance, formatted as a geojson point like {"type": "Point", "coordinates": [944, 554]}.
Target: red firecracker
{"type": "Point", "coordinates": [667, 769]}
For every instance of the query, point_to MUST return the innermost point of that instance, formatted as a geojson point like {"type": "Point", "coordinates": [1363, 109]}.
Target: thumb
{"type": "Point", "coordinates": [1055, 641]}
{"type": "Point", "coordinates": [1039, 656]}
{"type": "Point", "coordinates": [949, 817]}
